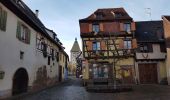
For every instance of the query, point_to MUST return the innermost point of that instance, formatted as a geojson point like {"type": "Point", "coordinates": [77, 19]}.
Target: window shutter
{"type": "Point", "coordinates": [18, 34]}
{"type": "Point", "coordinates": [101, 27]}
{"type": "Point", "coordinates": [133, 27]}
{"type": "Point", "coordinates": [0, 18]}
{"type": "Point", "coordinates": [4, 20]}
{"type": "Point", "coordinates": [121, 44]}
{"type": "Point", "coordinates": [89, 45]}
{"type": "Point", "coordinates": [103, 45]}
{"type": "Point", "coordinates": [28, 36]}
{"type": "Point", "coordinates": [134, 43]}
{"type": "Point", "coordinates": [90, 27]}
{"type": "Point", "coordinates": [122, 27]}
{"type": "Point", "coordinates": [150, 48]}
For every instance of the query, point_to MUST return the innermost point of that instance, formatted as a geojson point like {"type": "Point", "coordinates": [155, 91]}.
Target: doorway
{"type": "Point", "coordinates": [20, 82]}
{"type": "Point", "coordinates": [60, 73]}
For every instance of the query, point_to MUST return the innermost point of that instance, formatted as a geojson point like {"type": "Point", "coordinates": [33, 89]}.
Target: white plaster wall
{"type": "Point", "coordinates": [10, 48]}
{"type": "Point", "coordinates": [156, 54]}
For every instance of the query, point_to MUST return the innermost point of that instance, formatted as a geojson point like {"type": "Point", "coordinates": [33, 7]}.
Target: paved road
{"type": "Point", "coordinates": [72, 90]}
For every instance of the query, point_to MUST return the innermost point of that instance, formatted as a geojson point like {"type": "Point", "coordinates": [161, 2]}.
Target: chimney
{"type": "Point", "coordinates": [36, 12]}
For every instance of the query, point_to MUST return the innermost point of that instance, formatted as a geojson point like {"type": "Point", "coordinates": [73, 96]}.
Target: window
{"type": "Point", "coordinates": [57, 56]}
{"type": "Point", "coordinates": [100, 71]}
{"type": "Point", "coordinates": [96, 28]}
{"type": "Point", "coordinates": [96, 46]}
{"type": "Point", "coordinates": [163, 47]}
{"type": "Point", "coordinates": [21, 55]}
{"type": "Point", "coordinates": [127, 44]}
{"type": "Point", "coordinates": [52, 54]}
{"type": "Point", "coordinates": [3, 19]}
{"type": "Point", "coordinates": [39, 42]}
{"type": "Point", "coordinates": [23, 33]}
{"type": "Point", "coordinates": [44, 49]}
{"type": "Point", "coordinates": [49, 60]}
{"type": "Point", "coordinates": [63, 58]}
{"type": "Point", "coordinates": [99, 16]}
{"type": "Point", "coordinates": [145, 48]}
{"type": "Point", "coordinates": [127, 27]}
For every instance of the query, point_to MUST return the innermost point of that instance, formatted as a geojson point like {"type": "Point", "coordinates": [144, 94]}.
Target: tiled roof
{"type": "Point", "coordinates": [109, 14]}
{"type": "Point", "coordinates": [75, 47]}
{"type": "Point", "coordinates": [149, 31]}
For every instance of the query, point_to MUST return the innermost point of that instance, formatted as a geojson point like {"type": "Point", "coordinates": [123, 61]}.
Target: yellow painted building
{"type": "Point", "coordinates": [108, 46]}
{"type": "Point", "coordinates": [166, 24]}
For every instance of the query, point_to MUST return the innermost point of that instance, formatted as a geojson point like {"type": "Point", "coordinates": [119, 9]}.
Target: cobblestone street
{"type": "Point", "coordinates": [72, 90]}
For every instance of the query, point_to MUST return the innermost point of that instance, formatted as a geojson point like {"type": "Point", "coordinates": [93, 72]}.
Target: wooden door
{"type": "Point", "coordinates": [148, 73]}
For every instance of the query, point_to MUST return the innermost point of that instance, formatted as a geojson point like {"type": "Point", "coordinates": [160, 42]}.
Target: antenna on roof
{"type": "Point", "coordinates": [148, 11]}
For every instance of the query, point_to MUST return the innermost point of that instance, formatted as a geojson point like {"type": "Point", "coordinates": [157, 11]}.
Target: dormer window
{"type": "Point", "coordinates": [99, 16]}
{"type": "Point", "coordinates": [118, 15]}
{"type": "Point", "coordinates": [96, 28]}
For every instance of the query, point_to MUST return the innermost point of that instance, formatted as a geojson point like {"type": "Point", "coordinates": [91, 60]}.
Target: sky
{"type": "Point", "coordinates": [62, 16]}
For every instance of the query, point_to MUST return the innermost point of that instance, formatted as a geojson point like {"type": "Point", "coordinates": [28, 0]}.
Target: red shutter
{"type": "Point", "coordinates": [89, 45]}
{"type": "Point", "coordinates": [101, 27]}
{"type": "Point", "coordinates": [133, 27]}
{"type": "Point", "coordinates": [90, 27]}
{"type": "Point", "coordinates": [122, 27]}
{"type": "Point", "coordinates": [103, 45]}
{"type": "Point", "coordinates": [121, 44]}
{"type": "Point", "coordinates": [134, 43]}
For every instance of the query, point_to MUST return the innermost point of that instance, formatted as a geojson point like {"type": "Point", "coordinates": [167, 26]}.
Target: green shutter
{"type": "Point", "coordinates": [0, 18]}
{"type": "Point", "coordinates": [4, 20]}
{"type": "Point", "coordinates": [18, 34]}
{"type": "Point", "coordinates": [28, 36]}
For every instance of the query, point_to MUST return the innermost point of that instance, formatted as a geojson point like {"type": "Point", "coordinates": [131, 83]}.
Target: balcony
{"type": "Point", "coordinates": [105, 54]}
{"type": "Point", "coordinates": [106, 34]}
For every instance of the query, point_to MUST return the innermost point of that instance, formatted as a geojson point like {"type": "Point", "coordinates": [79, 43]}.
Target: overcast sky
{"type": "Point", "coordinates": [63, 16]}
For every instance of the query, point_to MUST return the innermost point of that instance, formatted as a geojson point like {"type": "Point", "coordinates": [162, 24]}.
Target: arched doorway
{"type": "Point", "coordinates": [20, 82]}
